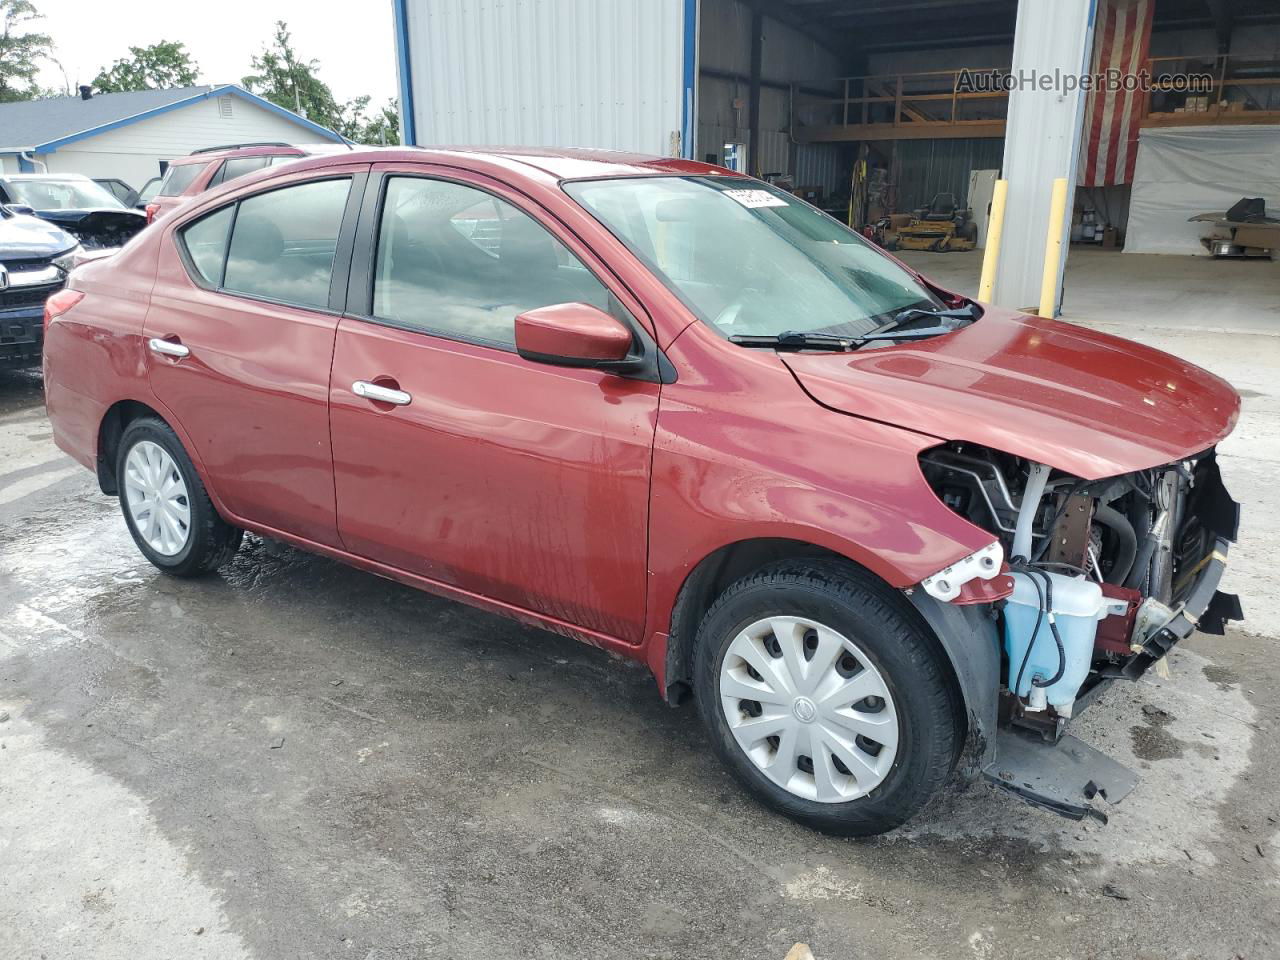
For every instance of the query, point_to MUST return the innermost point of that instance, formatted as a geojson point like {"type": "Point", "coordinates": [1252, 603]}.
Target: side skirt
{"type": "Point", "coordinates": [521, 615]}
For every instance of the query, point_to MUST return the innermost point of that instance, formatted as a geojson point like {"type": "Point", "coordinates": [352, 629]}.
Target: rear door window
{"type": "Point", "coordinates": [283, 242]}
{"type": "Point", "coordinates": [180, 176]}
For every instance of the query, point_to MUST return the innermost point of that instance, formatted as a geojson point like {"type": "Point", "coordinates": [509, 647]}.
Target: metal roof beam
{"type": "Point", "coordinates": [781, 11]}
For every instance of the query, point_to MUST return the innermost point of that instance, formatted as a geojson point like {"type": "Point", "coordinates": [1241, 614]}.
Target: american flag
{"type": "Point", "coordinates": [1121, 41]}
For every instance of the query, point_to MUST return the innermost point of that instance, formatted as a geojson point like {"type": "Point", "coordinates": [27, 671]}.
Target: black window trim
{"type": "Point", "coordinates": [338, 276]}
{"type": "Point", "coordinates": [217, 175]}
{"type": "Point", "coordinates": [359, 301]}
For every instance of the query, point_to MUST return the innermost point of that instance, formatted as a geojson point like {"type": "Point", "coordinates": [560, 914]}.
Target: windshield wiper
{"type": "Point", "coordinates": [793, 340]}
{"type": "Point", "coordinates": [968, 313]}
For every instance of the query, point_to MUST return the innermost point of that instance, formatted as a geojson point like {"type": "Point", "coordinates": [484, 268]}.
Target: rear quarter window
{"type": "Point", "coordinates": [180, 176]}
{"type": "Point", "coordinates": [206, 244]}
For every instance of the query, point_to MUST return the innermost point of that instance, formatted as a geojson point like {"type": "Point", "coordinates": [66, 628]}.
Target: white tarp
{"type": "Point", "coordinates": [1189, 170]}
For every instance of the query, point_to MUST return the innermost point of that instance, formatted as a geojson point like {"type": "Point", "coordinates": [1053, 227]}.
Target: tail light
{"type": "Point", "coordinates": [60, 303]}
{"type": "Point", "coordinates": [151, 210]}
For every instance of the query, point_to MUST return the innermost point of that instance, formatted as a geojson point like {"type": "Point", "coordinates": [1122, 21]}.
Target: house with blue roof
{"type": "Point", "coordinates": [132, 136]}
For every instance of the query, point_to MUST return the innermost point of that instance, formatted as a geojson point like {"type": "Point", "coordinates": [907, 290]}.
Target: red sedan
{"type": "Point", "coordinates": [876, 530]}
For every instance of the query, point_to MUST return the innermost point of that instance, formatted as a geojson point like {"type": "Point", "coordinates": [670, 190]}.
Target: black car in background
{"type": "Point", "coordinates": [35, 258]}
{"type": "Point", "coordinates": [118, 189]}
{"type": "Point", "coordinates": [76, 204]}
{"type": "Point", "coordinates": [148, 192]}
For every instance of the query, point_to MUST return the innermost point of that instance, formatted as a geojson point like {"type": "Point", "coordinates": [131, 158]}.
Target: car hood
{"type": "Point", "coordinates": [1085, 402]}
{"type": "Point", "coordinates": [105, 227]}
{"type": "Point", "coordinates": [23, 237]}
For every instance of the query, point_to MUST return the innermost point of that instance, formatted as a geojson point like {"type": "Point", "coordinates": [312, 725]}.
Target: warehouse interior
{"type": "Point", "coordinates": [858, 105]}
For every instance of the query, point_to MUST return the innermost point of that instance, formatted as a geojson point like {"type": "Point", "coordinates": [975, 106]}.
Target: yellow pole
{"type": "Point", "coordinates": [995, 233]}
{"type": "Point", "coordinates": [1053, 248]}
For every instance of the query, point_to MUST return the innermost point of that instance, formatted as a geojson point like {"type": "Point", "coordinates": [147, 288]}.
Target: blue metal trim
{"type": "Point", "coordinates": [690, 77]}
{"type": "Point", "coordinates": [232, 89]}
{"type": "Point", "coordinates": [408, 124]}
{"type": "Point", "coordinates": [25, 165]}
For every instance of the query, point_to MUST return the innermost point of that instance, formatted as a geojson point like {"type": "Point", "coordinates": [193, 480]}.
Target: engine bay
{"type": "Point", "coordinates": [1106, 574]}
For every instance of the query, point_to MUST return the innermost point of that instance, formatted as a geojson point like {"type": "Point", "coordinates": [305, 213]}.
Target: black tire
{"type": "Point", "coordinates": [884, 626]}
{"type": "Point", "coordinates": [211, 541]}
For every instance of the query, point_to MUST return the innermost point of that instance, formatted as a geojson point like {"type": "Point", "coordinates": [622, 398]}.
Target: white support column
{"type": "Point", "coordinates": [1042, 137]}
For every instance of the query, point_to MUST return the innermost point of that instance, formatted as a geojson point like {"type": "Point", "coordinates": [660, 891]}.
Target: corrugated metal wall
{"type": "Point", "coordinates": [927, 167]}
{"type": "Point", "coordinates": [787, 56]}
{"type": "Point", "coordinates": [562, 73]}
{"type": "Point", "coordinates": [826, 165]}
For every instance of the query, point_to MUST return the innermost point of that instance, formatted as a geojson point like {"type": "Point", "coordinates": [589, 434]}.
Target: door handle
{"type": "Point", "coordinates": [371, 391]}
{"type": "Point", "coordinates": [168, 348]}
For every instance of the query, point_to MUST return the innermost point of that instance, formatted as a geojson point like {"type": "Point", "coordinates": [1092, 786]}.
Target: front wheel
{"type": "Point", "coordinates": [165, 504]}
{"type": "Point", "coordinates": [826, 697]}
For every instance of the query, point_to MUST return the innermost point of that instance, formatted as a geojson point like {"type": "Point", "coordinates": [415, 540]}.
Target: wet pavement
{"type": "Point", "coordinates": [295, 759]}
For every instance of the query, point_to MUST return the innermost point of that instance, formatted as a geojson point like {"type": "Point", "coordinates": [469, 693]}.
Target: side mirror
{"type": "Point", "coordinates": [575, 335]}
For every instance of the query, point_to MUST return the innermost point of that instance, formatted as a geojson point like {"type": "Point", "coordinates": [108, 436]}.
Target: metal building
{"type": "Point", "coordinates": [823, 92]}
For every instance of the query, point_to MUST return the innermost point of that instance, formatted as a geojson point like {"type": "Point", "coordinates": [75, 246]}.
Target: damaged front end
{"type": "Point", "coordinates": [1103, 578]}
{"type": "Point", "coordinates": [98, 229]}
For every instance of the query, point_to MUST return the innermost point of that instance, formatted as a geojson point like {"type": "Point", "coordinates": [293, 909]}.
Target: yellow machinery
{"type": "Point", "coordinates": [943, 225]}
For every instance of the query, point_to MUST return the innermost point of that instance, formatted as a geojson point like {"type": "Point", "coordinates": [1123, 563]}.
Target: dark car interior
{"type": "Point", "coordinates": [469, 267]}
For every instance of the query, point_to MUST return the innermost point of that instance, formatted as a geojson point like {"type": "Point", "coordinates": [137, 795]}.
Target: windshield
{"type": "Point", "coordinates": [149, 190]}
{"type": "Point", "coordinates": [53, 194]}
{"type": "Point", "coordinates": [750, 259]}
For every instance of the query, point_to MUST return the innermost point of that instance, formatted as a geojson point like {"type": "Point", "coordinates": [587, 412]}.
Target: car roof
{"type": "Point", "coordinates": [544, 163]}
{"type": "Point", "coordinates": [583, 162]}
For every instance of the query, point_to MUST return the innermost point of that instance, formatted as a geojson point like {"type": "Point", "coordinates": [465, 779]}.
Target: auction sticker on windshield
{"type": "Point", "coordinates": [756, 198]}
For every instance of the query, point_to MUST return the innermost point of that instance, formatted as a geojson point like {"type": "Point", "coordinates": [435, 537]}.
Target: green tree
{"type": "Point", "coordinates": [381, 129]}
{"type": "Point", "coordinates": [21, 51]}
{"type": "Point", "coordinates": [351, 121]}
{"type": "Point", "coordinates": [384, 128]}
{"type": "Point", "coordinates": [160, 66]}
{"type": "Point", "coordinates": [288, 81]}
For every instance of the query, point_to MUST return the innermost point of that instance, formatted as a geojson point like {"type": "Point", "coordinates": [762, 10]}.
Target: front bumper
{"type": "Point", "coordinates": [1065, 775]}
{"type": "Point", "coordinates": [1206, 608]}
{"type": "Point", "coordinates": [21, 335]}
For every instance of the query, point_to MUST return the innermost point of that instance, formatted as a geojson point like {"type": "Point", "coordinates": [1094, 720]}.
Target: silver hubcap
{"type": "Point", "coordinates": [157, 498]}
{"type": "Point", "coordinates": [808, 709]}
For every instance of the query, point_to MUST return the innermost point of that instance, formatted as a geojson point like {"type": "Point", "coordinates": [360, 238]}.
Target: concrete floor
{"type": "Point", "coordinates": [294, 759]}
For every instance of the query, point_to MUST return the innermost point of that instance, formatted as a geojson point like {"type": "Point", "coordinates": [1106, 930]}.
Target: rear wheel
{"type": "Point", "coordinates": [165, 504]}
{"type": "Point", "coordinates": [826, 698]}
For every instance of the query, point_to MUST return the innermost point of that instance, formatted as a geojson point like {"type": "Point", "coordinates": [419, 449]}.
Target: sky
{"type": "Point", "coordinates": [355, 43]}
